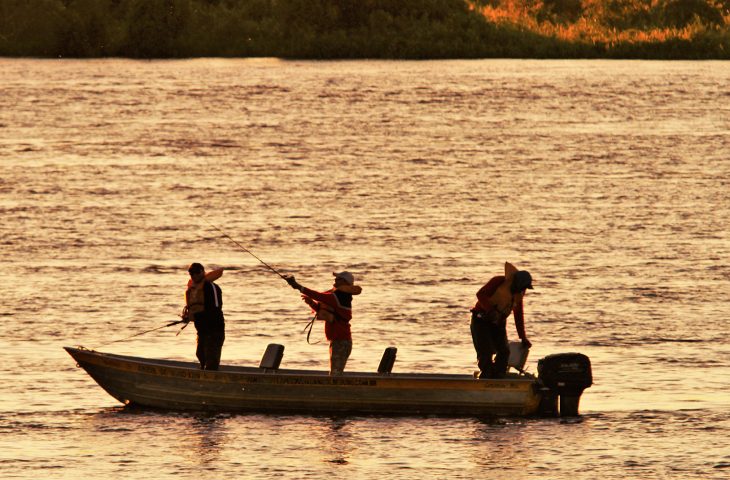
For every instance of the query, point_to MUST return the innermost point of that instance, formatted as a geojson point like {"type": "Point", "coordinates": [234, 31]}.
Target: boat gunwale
{"type": "Point", "coordinates": [258, 371]}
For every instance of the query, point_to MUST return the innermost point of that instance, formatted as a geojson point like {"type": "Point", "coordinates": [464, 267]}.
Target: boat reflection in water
{"type": "Point", "coordinates": [176, 385]}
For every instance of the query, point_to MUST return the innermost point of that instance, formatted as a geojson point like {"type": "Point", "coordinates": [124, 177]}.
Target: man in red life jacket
{"type": "Point", "coordinates": [335, 308]}
{"type": "Point", "coordinates": [501, 296]}
{"type": "Point", "coordinates": [204, 307]}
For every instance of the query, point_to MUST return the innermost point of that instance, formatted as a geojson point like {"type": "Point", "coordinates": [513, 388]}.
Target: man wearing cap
{"type": "Point", "coordinates": [335, 308]}
{"type": "Point", "coordinates": [204, 306]}
{"type": "Point", "coordinates": [501, 296]}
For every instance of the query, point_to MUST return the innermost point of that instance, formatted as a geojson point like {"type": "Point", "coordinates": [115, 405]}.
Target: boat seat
{"type": "Point", "coordinates": [272, 357]}
{"type": "Point", "coordinates": [388, 360]}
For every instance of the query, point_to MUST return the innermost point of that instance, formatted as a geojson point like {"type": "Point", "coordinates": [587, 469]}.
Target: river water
{"type": "Point", "coordinates": [608, 180]}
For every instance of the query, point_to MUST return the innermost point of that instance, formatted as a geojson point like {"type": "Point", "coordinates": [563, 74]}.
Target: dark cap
{"type": "Point", "coordinates": [521, 281]}
{"type": "Point", "coordinates": [195, 268]}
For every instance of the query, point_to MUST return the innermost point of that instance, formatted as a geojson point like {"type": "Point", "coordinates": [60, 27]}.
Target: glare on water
{"type": "Point", "coordinates": [607, 180]}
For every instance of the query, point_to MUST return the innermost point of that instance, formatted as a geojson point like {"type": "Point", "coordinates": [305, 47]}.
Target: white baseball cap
{"type": "Point", "coordinates": [346, 276]}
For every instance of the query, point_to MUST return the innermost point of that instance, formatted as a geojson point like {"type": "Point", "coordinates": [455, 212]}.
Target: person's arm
{"type": "Point", "coordinates": [325, 297]}
{"type": "Point", "coordinates": [211, 276]}
{"type": "Point", "coordinates": [328, 298]}
{"type": "Point", "coordinates": [519, 314]}
{"type": "Point", "coordinates": [314, 305]}
{"type": "Point", "coordinates": [185, 314]}
{"type": "Point", "coordinates": [214, 275]}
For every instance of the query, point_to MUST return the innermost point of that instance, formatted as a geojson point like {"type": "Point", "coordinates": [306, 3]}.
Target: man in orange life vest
{"type": "Point", "coordinates": [335, 308]}
{"type": "Point", "coordinates": [204, 306]}
{"type": "Point", "coordinates": [501, 296]}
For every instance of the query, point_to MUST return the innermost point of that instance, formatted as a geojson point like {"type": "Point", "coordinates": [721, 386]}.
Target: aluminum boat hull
{"type": "Point", "coordinates": [175, 385]}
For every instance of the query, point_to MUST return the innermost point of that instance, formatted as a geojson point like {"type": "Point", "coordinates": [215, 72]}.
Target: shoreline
{"type": "Point", "coordinates": [380, 29]}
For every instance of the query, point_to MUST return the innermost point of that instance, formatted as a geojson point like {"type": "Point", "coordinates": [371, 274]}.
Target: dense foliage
{"type": "Point", "coordinates": [366, 28]}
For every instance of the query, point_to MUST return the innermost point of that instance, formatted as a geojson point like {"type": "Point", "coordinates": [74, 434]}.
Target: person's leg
{"type": "Point", "coordinates": [200, 350]}
{"type": "Point", "coordinates": [501, 346]}
{"type": "Point", "coordinates": [480, 336]}
{"type": "Point", "coordinates": [213, 350]}
{"type": "Point", "coordinates": [339, 353]}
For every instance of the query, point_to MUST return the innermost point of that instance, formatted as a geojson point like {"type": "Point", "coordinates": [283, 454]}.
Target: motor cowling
{"type": "Point", "coordinates": [565, 375]}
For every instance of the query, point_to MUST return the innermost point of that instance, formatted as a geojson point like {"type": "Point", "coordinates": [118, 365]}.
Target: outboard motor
{"type": "Point", "coordinates": [565, 375]}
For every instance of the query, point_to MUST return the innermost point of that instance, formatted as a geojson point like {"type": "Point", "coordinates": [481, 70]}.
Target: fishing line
{"type": "Point", "coordinates": [308, 329]}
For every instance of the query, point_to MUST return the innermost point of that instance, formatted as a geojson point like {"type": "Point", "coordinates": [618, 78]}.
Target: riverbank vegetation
{"type": "Point", "coordinates": [419, 29]}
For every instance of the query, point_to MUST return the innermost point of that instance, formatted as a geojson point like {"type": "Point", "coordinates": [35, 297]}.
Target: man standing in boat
{"type": "Point", "coordinates": [335, 308]}
{"type": "Point", "coordinates": [204, 307]}
{"type": "Point", "coordinates": [501, 296]}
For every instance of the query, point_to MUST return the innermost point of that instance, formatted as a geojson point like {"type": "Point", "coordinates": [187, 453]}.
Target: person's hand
{"type": "Point", "coordinates": [526, 343]}
{"type": "Point", "coordinates": [309, 302]}
{"type": "Point", "coordinates": [293, 282]}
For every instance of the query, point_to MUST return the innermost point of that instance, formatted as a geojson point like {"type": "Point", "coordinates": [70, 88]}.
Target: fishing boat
{"type": "Point", "coordinates": [178, 385]}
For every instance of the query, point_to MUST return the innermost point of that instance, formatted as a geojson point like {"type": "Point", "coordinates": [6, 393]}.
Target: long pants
{"type": "Point", "coordinates": [209, 349]}
{"type": "Point", "coordinates": [490, 337]}
{"type": "Point", "coordinates": [339, 353]}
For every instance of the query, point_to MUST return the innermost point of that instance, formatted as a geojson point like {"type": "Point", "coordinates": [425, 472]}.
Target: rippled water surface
{"type": "Point", "coordinates": [609, 181]}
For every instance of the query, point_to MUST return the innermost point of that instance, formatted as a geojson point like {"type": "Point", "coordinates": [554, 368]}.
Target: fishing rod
{"type": "Point", "coordinates": [177, 322]}
{"type": "Point", "coordinates": [309, 326]}
{"type": "Point", "coordinates": [245, 249]}
{"type": "Point", "coordinates": [183, 327]}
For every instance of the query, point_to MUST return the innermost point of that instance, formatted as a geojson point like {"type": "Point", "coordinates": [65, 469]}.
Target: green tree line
{"type": "Point", "coordinates": [417, 29]}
